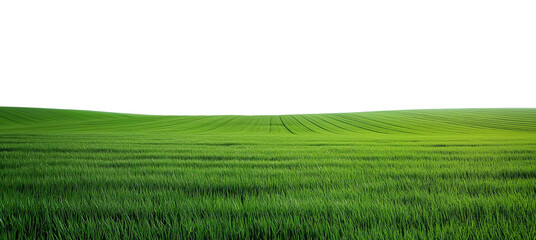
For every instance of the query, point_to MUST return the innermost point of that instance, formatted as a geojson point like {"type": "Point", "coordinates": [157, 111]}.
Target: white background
{"type": "Point", "coordinates": [267, 57]}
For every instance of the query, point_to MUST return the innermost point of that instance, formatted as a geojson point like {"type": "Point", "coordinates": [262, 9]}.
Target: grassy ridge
{"type": "Point", "coordinates": [388, 122]}
{"type": "Point", "coordinates": [428, 174]}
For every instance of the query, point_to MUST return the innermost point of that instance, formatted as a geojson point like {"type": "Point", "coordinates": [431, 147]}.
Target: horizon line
{"type": "Point", "coordinates": [287, 114]}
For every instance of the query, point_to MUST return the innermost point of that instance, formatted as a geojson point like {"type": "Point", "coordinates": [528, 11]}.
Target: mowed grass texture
{"type": "Point", "coordinates": [423, 174]}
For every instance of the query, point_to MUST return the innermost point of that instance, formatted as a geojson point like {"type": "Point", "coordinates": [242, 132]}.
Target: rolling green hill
{"type": "Point", "coordinates": [13, 120]}
{"type": "Point", "coordinates": [416, 174]}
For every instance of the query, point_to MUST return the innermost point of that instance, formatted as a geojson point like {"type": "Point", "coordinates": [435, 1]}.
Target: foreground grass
{"type": "Point", "coordinates": [393, 175]}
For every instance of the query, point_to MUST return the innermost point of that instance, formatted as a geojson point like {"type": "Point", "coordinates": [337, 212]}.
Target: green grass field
{"type": "Point", "coordinates": [419, 174]}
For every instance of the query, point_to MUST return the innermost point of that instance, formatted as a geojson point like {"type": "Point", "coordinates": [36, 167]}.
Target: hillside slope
{"type": "Point", "coordinates": [36, 120]}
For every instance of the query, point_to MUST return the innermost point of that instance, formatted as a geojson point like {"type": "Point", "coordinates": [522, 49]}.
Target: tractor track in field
{"type": "Point", "coordinates": [284, 125]}
{"type": "Point", "coordinates": [305, 126]}
{"type": "Point", "coordinates": [353, 121]}
{"type": "Point", "coordinates": [323, 119]}
{"type": "Point", "coordinates": [314, 123]}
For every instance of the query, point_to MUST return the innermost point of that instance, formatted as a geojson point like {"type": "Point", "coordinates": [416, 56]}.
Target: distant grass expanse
{"type": "Point", "coordinates": [419, 174]}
